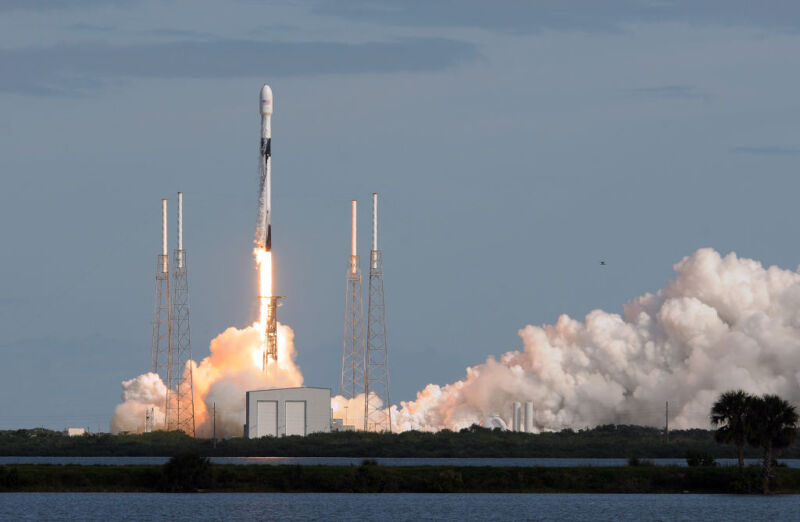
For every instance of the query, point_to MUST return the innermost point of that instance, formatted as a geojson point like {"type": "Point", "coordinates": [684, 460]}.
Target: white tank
{"type": "Point", "coordinates": [529, 417]}
{"type": "Point", "coordinates": [266, 100]}
{"type": "Point", "coordinates": [516, 418]}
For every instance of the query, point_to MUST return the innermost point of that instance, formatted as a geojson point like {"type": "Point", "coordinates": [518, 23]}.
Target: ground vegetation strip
{"type": "Point", "coordinates": [373, 478]}
{"type": "Point", "coordinates": [611, 441]}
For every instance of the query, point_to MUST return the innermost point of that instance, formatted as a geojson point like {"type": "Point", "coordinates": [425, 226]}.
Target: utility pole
{"type": "Point", "coordinates": [666, 421]}
{"type": "Point", "coordinates": [215, 425]}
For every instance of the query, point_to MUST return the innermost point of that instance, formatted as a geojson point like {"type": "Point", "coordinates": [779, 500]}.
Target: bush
{"type": "Point", "coordinates": [697, 458]}
{"type": "Point", "coordinates": [187, 472]}
{"type": "Point", "coordinates": [636, 461]}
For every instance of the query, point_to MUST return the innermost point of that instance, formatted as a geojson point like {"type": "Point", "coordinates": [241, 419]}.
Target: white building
{"type": "Point", "coordinates": [287, 411]}
{"type": "Point", "coordinates": [74, 432]}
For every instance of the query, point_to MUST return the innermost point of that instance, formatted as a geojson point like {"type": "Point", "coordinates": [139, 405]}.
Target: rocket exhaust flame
{"type": "Point", "coordinates": [268, 304]}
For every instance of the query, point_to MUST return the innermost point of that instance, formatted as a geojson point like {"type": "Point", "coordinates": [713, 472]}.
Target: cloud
{"type": "Point", "coordinates": [671, 92]}
{"type": "Point", "coordinates": [522, 16]}
{"type": "Point", "coordinates": [168, 32]}
{"type": "Point", "coordinates": [91, 28]}
{"type": "Point", "coordinates": [80, 68]}
{"type": "Point", "coordinates": [47, 5]}
{"type": "Point", "coordinates": [767, 151]}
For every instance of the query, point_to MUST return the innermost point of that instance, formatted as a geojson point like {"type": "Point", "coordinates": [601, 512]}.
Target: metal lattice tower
{"type": "Point", "coordinates": [376, 370]}
{"type": "Point", "coordinates": [271, 333]}
{"type": "Point", "coordinates": [353, 380]}
{"type": "Point", "coordinates": [180, 408]}
{"type": "Point", "coordinates": [161, 354]}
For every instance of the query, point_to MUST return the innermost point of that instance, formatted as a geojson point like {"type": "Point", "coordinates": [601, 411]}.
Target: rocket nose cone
{"type": "Point", "coordinates": [265, 100]}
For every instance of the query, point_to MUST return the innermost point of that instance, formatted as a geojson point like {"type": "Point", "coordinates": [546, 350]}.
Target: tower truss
{"type": "Point", "coordinates": [376, 408]}
{"type": "Point", "coordinates": [161, 353]}
{"type": "Point", "coordinates": [180, 406]}
{"type": "Point", "coordinates": [271, 331]}
{"type": "Point", "coordinates": [353, 378]}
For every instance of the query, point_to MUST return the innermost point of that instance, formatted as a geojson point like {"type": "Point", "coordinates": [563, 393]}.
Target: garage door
{"type": "Point", "coordinates": [295, 418]}
{"type": "Point", "coordinates": [267, 419]}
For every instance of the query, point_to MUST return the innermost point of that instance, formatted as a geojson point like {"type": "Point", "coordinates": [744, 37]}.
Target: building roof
{"type": "Point", "coordinates": [293, 388]}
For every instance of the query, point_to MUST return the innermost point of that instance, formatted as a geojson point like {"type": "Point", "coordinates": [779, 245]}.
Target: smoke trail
{"type": "Point", "coordinates": [722, 323]}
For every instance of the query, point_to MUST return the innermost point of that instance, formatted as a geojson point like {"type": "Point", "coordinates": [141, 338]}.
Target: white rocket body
{"type": "Point", "coordinates": [264, 236]}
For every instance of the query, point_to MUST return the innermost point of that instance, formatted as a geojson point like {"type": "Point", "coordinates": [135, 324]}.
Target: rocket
{"type": "Point", "coordinates": [265, 168]}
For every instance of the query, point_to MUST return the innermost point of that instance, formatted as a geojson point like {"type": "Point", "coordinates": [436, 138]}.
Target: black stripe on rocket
{"type": "Point", "coordinates": [266, 151]}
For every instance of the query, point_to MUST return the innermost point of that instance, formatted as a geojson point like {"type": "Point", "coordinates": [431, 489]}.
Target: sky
{"type": "Point", "coordinates": [513, 149]}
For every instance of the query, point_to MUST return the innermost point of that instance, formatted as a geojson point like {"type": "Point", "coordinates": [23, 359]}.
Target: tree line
{"type": "Point", "coordinates": [767, 422]}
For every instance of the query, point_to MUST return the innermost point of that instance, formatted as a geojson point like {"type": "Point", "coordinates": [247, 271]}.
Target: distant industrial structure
{"type": "Point", "coordinates": [522, 419]}
{"type": "Point", "coordinates": [365, 362]}
{"type": "Point", "coordinates": [287, 411]}
{"type": "Point", "coordinates": [171, 348]}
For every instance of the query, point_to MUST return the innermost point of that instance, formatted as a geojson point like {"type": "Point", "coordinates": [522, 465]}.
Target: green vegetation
{"type": "Point", "coordinates": [729, 414]}
{"type": "Point", "coordinates": [187, 472]}
{"type": "Point", "coordinates": [602, 442]}
{"type": "Point", "coordinates": [694, 458]}
{"type": "Point", "coordinates": [372, 478]}
{"type": "Point", "coordinates": [766, 422]}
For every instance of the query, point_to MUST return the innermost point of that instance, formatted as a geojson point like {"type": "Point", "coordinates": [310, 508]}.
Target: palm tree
{"type": "Point", "coordinates": [771, 425]}
{"type": "Point", "coordinates": [730, 414]}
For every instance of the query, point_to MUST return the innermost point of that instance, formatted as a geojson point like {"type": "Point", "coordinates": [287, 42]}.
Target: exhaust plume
{"type": "Point", "coordinates": [722, 323]}
{"type": "Point", "coordinates": [234, 366]}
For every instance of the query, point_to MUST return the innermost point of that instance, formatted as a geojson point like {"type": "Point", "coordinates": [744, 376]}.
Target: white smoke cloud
{"type": "Point", "coordinates": [222, 378]}
{"type": "Point", "coordinates": [722, 323]}
{"type": "Point", "coordinates": [139, 395]}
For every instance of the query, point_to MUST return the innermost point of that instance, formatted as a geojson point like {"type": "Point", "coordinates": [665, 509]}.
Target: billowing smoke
{"type": "Point", "coordinates": [223, 377]}
{"type": "Point", "coordinates": [722, 323]}
{"type": "Point", "coordinates": [139, 395]}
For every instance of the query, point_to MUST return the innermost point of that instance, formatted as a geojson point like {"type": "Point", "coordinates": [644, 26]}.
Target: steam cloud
{"type": "Point", "coordinates": [223, 377]}
{"type": "Point", "coordinates": [722, 323]}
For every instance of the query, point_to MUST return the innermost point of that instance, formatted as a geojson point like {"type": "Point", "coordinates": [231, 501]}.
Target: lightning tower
{"type": "Point", "coordinates": [180, 405]}
{"type": "Point", "coordinates": [161, 354]}
{"type": "Point", "coordinates": [376, 372]}
{"type": "Point", "coordinates": [353, 378]}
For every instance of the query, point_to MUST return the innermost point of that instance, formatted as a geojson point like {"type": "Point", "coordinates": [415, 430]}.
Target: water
{"type": "Point", "coordinates": [348, 461]}
{"type": "Point", "coordinates": [345, 506]}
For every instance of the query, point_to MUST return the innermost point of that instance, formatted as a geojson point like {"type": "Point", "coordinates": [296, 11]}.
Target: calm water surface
{"type": "Point", "coordinates": [344, 506]}
{"type": "Point", "coordinates": [347, 461]}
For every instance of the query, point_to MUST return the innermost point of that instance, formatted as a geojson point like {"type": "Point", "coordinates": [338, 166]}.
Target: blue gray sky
{"type": "Point", "coordinates": [513, 148]}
